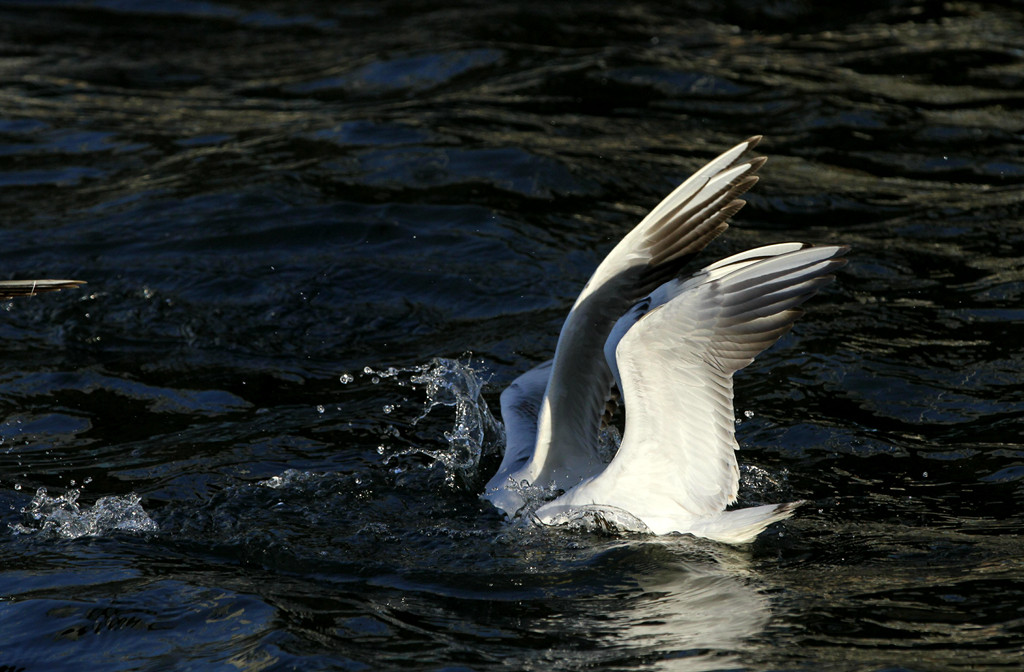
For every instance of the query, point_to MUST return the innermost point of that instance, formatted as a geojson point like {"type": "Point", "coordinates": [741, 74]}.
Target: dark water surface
{"type": "Point", "coordinates": [318, 236]}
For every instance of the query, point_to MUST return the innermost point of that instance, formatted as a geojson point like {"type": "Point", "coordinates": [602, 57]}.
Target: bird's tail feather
{"type": "Point", "coordinates": [741, 526]}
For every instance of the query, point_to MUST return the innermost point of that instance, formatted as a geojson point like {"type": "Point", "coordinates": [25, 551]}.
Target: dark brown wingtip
{"type": "Point", "coordinates": [744, 185]}
{"type": "Point", "coordinates": [753, 140]}
{"type": "Point", "coordinates": [757, 162]}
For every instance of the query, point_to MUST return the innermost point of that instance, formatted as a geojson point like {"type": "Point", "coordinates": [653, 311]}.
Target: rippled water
{"type": "Point", "coordinates": [321, 237]}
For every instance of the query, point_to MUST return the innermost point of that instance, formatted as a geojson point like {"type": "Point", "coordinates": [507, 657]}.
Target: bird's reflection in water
{"type": "Point", "coordinates": [670, 609]}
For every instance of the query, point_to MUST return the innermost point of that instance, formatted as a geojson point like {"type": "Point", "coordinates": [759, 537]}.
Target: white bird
{"type": "Point", "coordinates": [672, 354]}
{"type": "Point", "coordinates": [10, 289]}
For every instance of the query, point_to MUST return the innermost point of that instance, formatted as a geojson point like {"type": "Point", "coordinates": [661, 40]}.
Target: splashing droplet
{"type": "Point", "coordinates": [454, 384]}
{"type": "Point", "coordinates": [63, 517]}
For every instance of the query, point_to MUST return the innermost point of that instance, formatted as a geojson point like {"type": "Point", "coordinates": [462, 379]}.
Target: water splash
{"type": "Point", "coordinates": [457, 385]}
{"type": "Point", "coordinates": [62, 517]}
{"type": "Point", "coordinates": [447, 384]}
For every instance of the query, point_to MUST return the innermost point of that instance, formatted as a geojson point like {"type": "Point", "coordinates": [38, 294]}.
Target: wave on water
{"type": "Point", "coordinates": [63, 517]}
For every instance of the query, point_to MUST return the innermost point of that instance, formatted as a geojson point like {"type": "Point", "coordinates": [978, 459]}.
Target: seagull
{"type": "Point", "coordinates": [10, 289]}
{"type": "Point", "coordinates": [670, 344]}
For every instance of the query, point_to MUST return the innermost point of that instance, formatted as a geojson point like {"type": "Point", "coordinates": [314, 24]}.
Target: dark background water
{"type": "Point", "coordinates": [269, 199]}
